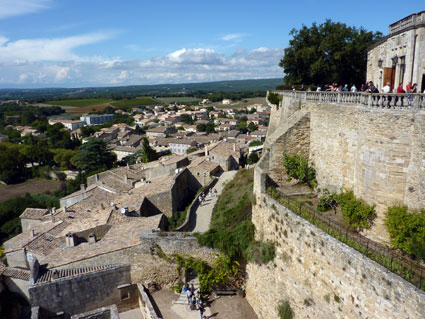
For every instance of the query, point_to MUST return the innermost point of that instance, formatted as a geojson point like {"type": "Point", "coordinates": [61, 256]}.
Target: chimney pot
{"type": "Point", "coordinates": [96, 177]}
{"type": "Point", "coordinates": [92, 238]}
{"type": "Point", "coordinates": [83, 187]}
{"type": "Point", "coordinates": [32, 233]}
{"type": "Point", "coordinates": [125, 178]}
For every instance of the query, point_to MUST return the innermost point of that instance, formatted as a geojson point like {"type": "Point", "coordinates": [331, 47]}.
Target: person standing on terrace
{"type": "Point", "coordinates": [386, 88]}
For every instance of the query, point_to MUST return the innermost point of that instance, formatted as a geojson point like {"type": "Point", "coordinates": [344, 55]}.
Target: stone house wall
{"type": "Point", "coordinates": [82, 293]}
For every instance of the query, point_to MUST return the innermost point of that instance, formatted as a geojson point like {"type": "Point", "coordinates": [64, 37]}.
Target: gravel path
{"type": "Point", "coordinates": [202, 216]}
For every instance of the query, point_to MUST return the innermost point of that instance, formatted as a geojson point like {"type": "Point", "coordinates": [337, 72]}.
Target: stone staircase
{"type": "Point", "coordinates": [183, 296]}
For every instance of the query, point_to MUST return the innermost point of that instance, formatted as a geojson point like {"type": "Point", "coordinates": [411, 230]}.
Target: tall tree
{"type": "Point", "coordinates": [94, 155]}
{"type": "Point", "coordinates": [326, 53]}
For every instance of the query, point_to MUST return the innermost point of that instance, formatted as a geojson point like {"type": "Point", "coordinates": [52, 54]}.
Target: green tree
{"type": "Point", "coordinates": [63, 158]}
{"type": "Point", "coordinates": [12, 163]}
{"type": "Point", "coordinates": [252, 127]}
{"type": "Point", "coordinates": [407, 229]}
{"type": "Point", "coordinates": [94, 155]}
{"type": "Point", "coordinates": [185, 118]}
{"type": "Point", "coordinates": [326, 53]}
{"type": "Point", "coordinates": [252, 158]}
{"type": "Point", "coordinates": [145, 155]}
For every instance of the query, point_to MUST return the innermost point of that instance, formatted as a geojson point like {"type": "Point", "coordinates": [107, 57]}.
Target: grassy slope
{"type": "Point", "coordinates": [231, 228]}
{"type": "Point", "coordinates": [79, 102]}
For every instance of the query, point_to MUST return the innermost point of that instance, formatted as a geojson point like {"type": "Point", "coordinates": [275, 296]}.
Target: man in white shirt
{"type": "Point", "coordinates": [386, 88]}
{"type": "Point", "coordinates": [354, 88]}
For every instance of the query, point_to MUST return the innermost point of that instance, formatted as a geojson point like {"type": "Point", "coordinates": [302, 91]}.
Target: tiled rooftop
{"type": "Point", "coordinates": [60, 274]}
{"type": "Point", "coordinates": [34, 213]}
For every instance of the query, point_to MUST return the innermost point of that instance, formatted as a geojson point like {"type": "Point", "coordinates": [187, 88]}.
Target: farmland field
{"type": "Point", "coordinates": [242, 103]}
{"type": "Point", "coordinates": [135, 102]}
{"type": "Point", "coordinates": [31, 186]}
{"type": "Point", "coordinates": [178, 99]}
{"type": "Point", "coordinates": [79, 102]}
{"type": "Point", "coordinates": [87, 109]}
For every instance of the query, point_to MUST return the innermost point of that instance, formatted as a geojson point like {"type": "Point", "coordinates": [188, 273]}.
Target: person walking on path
{"type": "Point", "coordinates": [189, 296]}
{"type": "Point", "coordinates": [200, 200]}
{"type": "Point", "coordinates": [210, 192]}
{"type": "Point", "coordinates": [201, 310]}
{"type": "Point", "coordinates": [192, 289]}
{"type": "Point", "coordinates": [215, 192]}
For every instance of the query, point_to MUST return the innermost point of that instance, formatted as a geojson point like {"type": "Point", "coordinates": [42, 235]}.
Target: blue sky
{"type": "Point", "coordinates": [73, 43]}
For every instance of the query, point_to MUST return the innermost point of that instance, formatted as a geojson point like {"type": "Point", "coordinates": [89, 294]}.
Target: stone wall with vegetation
{"type": "Point", "coordinates": [378, 153]}
{"type": "Point", "coordinates": [147, 266]}
{"type": "Point", "coordinates": [320, 276]}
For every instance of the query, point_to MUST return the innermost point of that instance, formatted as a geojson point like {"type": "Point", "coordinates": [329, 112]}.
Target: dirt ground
{"type": "Point", "coordinates": [222, 308]}
{"type": "Point", "coordinates": [30, 186]}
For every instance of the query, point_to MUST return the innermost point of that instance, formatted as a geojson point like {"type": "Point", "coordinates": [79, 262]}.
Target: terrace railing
{"type": "Point", "coordinates": [370, 100]}
{"type": "Point", "coordinates": [396, 262]}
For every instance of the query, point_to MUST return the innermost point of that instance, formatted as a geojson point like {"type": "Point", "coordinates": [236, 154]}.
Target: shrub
{"type": "Point", "coordinates": [407, 229]}
{"type": "Point", "coordinates": [297, 168]}
{"type": "Point", "coordinates": [274, 98]}
{"type": "Point", "coordinates": [260, 252]}
{"type": "Point", "coordinates": [354, 211]}
{"type": "Point", "coordinates": [326, 201]}
{"type": "Point", "coordinates": [284, 310]}
{"type": "Point", "coordinates": [255, 143]}
{"type": "Point", "coordinates": [252, 158]}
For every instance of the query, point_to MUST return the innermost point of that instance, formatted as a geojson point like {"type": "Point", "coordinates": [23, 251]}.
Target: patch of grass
{"type": "Point", "coordinates": [284, 310]}
{"type": "Point", "coordinates": [79, 102]}
{"type": "Point", "coordinates": [327, 298]}
{"type": "Point", "coordinates": [232, 231]}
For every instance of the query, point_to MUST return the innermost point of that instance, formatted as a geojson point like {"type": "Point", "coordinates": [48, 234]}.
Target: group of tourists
{"type": "Point", "coordinates": [194, 300]}
{"type": "Point", "coordinates": [202, 196]}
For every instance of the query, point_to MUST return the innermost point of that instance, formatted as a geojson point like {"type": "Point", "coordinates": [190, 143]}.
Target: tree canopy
{"type": "Point", "coordinates": [326, 53]}
{"type": "Point", "coordinates": [94, 155]}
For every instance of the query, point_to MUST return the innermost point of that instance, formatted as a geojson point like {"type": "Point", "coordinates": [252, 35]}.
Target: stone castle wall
{"type": "Point", "coordinates": [377, 153]}
{"type": "Point", "coordinates": [320, 276]}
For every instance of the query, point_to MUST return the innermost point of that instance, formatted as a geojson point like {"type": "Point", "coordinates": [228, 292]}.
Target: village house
{"type": "Point", "coordinates": [68, 124]}
{"type": "Point", "coordinates": [180, 146]}
{"type": "Point", "coordinates": [96, 119]}
{"type": "Point", "coordinates": [160, 131]}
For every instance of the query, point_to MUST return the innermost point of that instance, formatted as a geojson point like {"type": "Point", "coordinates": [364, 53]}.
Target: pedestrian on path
{"type": "Point", "coordinates": [215, 192]}
{"type": "Point", "coordinates": [189, 296]}
{"type": "Point", "coordinates": [192, 289]}
{"type": "Point", "coordinates": [200, 200]}
{"type": "Point", "coordinates": [201, 310]}
{"type": "Point", "coordinates": [210, 192]}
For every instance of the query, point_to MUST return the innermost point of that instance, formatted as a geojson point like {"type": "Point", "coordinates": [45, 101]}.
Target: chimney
{"type": "Point", "coordinates": [96, 177]}
{"type": "Point", "coordinates": [64, 208]}
{"type": "Point", "coordinates": [128, 167]}
{"type": "Point", "coordinates": [92, 238]}
{"type": "Point", "coordinates": [32, 233]}
{"type": "Point", "coordinates": [125, 178]}
{"type": "Point", "coordinates": [234, 147]}
{"type": "Point", "coordinates": [70, 240]}
{"type": "Point", "coordinates": [83, 187]}
{"type": "Point", "coordinates": [206, 150]}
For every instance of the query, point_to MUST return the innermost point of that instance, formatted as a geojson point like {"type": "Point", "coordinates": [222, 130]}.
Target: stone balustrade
{"type": "Point", "coordinates": [375, 100]}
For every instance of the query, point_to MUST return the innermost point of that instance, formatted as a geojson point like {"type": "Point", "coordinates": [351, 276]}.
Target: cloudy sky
{"type": "Point", "coordinates": [76, 43]}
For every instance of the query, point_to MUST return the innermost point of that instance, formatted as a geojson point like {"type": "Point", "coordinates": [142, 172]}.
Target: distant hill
{"type": "Point", "coordinates": [157, 89]}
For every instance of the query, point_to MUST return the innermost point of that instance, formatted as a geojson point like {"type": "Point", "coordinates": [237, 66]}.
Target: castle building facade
{"type": "Point", "coordinates": [400, 56]}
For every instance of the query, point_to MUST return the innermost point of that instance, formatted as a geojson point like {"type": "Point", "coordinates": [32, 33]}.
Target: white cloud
{"type": "Point", "coordinates": [10, 8]}
{"type": "Point", "coordinates": [185, 65]}
{"type": "Point", "coordinates": [57, 49]}
{"type": "Point", "coordinates": [233, 36]}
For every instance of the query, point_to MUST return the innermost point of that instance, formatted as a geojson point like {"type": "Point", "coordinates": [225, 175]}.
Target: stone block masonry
{"type": "Point", "coordinates": [320, 276]}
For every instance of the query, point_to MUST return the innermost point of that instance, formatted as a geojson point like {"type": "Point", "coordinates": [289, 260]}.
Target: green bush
{"type": "Point", "coordinates": [407, 229]}
{"type": "Point", "coordinates": [260, 252]}
{"type": "Point", "coordinates": [284, 310]}
{"type": "Point", "coordinates": [355, 211]}
{"type": "Point", "coordinates": [297, 168]}
{"type": "Point", "coordinates": [326, 202]}
{"type": "Point", "coordinates": [252, 158]}
{"type": "Point", "coordinates": [255, 143]}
